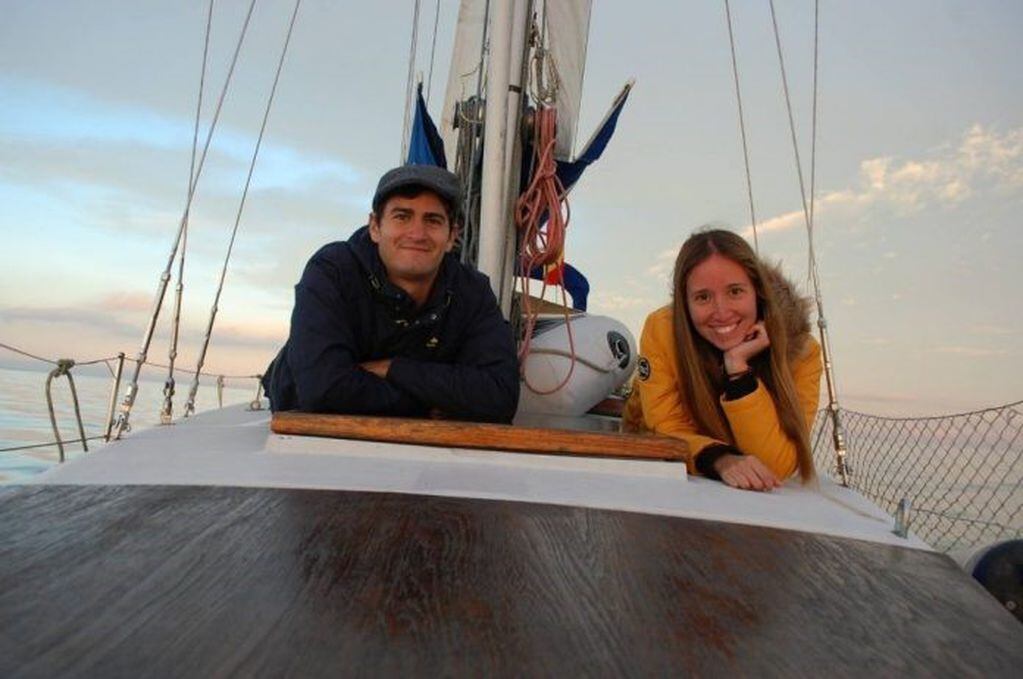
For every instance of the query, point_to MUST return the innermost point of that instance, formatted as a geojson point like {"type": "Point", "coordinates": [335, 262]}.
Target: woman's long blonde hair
{"type": "Point", "coordinates": [701, 378]}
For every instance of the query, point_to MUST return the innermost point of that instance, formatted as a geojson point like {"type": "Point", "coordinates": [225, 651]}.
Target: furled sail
{"type": "Point", "coordinates": [465, 76]}
{"type": "Point", "coordinates": [568, 27]}
{"type": "Point", "coordinates": [567, 24]}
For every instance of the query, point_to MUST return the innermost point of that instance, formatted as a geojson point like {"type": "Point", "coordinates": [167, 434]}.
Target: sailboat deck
{"type": "Point", "coordinates": [216, 547]}
{"type": "Point", "coordinates": [198, 581]}
{"type": "Point", "coordinates": [234, 447]}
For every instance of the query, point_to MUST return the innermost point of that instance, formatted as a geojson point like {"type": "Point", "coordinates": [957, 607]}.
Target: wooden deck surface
{"type": "Point", "coordinates": [112, 581]}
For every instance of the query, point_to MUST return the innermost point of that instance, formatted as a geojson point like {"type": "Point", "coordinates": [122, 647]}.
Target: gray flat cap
{"type": "Point", "coordinates": [430, 177]}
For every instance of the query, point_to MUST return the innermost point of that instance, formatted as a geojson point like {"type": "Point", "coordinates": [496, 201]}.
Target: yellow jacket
{"type": "Point", "coordinates": [655, 404]}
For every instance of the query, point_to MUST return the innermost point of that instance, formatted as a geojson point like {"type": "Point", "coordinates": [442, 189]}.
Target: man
{"type": "Point", "coordinates": [390, 322]}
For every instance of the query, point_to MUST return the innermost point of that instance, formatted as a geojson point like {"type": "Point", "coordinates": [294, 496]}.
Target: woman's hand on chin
{"type": "Point", "coordinates": [737, 358]}
{"type": "Point", "coordinates": [746, 472]}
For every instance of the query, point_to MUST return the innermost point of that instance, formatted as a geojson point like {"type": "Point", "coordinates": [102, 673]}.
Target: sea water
{"type": "Point", "coordinates": [25, 419]}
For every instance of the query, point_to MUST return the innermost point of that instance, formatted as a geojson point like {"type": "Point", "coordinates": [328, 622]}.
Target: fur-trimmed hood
{"type": "Point", "coordinates": [794, 307]}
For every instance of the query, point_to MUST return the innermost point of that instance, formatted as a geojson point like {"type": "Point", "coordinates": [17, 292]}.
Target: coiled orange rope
{"type": "Point", "coordinates": [542, 242]}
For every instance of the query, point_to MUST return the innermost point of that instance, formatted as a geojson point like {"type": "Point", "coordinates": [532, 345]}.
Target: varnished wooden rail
{"type": "Point", "coordinates": [478, 435]}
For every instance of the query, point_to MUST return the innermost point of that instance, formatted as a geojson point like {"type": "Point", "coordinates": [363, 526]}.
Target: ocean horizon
{"type": "Point", "coordinates": [25, 419]}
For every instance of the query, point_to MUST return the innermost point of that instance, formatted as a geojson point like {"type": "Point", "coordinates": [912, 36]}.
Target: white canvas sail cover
{"type": "Point", "coordinates": [465, 68]}
{"type": "Point", "coordinates": [568, 25]}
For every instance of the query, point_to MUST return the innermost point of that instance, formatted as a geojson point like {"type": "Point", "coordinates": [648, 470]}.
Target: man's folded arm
{"type": "Point", "coordinates": [321, 354]}
{"type": "Point", "coordinates": [482, 383]}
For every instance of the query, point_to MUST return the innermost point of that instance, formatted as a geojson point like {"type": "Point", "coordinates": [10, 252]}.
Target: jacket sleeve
{"type": "Point", "coordinates": [662, 407]}
{"type": "Point", "coordinates": [322, 352]}
{"type": "Point", "coordinates": [754, 418]}
{"type": "Point", "coordinates": [482, 383]}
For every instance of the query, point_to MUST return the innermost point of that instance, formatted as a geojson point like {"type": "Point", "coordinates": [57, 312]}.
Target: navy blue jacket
{"type": "Point", "coordinates": [455, 354]}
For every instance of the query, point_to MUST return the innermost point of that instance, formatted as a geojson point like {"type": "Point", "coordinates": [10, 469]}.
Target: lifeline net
{"type": "Point", "coordinates": [963, 473]}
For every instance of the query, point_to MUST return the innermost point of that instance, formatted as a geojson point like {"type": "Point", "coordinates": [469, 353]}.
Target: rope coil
{"type": "Point", "coordinates": [541, 216]}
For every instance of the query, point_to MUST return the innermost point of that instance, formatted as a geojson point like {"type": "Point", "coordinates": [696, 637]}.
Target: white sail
{"type": "Point", "coordinates": [466, 70]}
{"type": "Point", "coordinates": [568, 24]}
{"type": "Point", "coordinates": [568, 27]}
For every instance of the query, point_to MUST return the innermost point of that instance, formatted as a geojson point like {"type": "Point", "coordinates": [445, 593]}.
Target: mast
{"type": "Point", "coordinates": [513, 146]}
{"type": "Point", "coordinates": [493, 217]}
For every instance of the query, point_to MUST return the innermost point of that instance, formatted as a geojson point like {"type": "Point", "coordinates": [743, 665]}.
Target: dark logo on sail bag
{"type": "Point", "coordinates": [643, 368]}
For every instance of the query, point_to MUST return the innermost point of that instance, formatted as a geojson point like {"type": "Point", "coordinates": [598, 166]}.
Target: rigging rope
{"type": "Point", "coordinates": [838, 434]}
{"type": "Point", "coordinates": [433, 50]}
{"type": "Point", "coordinates": [105, 359]}
{"type": "Point", "coordinates": [122, 425]}
{"type": "Point", "coordinates": [813, 140]}
{"type": "Point", "coordinates": [484, 38]}
{"type": "Point", "coordinates": [542, 244]}
{"type": "Point", "coordinates": [63, 368]}
{"type": "Point", "coordinates": [469, 150]}
{"type": "Point", "coordinates": [407, 122]}
{"type": "Point", "coordinates": [30, 446]}
{"type": "Point", "coordinates": [54, 362]}
{"type": "Point", "coordinates": [792, 123]}
{"type": "Point", "coordinates": [194, 388]}
{"type": "Point", "coordinates": [742, 127]}
{"type": "Point", "coordinates": [167, 412]}
{"type": "Point", "coordinates": [546, 81]}
{"type": "Point", "coordinates": [26, 354]}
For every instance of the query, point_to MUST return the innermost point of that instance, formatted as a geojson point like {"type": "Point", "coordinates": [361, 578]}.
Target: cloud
{"type": "Point", "coordinates": [110, 323]}
{"type": "Point", "coordinates": [88, 317]}
{"type": "Point", "coordinates": [664, 262]}
{"type": "Point", "coordinates": [779, 223]}
{"type": "Point", "coordinates": [972, 352]}
{"type": "Point", "coordinates": [992, 330]}
{"type": "Point", "coordinates": [251, 336]}
{"type": "Point", "coordinates": [82, 156]}
{"type": "Point", "coordinates": [982, 161]}
{"type": "Point", "coordinates": [45, 115]}
{"type": "Point", "coordinates": [125, 301]}
{"type": "Point", "coordinates": [616, 302]}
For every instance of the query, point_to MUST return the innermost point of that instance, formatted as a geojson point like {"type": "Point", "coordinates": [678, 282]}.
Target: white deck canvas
{"type": "Point", "coordinates": [234, 447]}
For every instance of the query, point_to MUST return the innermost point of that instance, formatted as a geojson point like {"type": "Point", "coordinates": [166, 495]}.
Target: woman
{"type": "Point", "coordinates": [730, 366]}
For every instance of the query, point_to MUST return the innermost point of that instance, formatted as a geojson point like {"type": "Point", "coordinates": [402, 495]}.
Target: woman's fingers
{"type": "Point", "coordinates": [760, 339]}
{"type": "Point", "coordinates": [755, 342]}
{"type": "Point", "coordinates": [749, 473]}
{"type": "Point", "coordinates": [766, 476]}
{"type": "Point", "coordinates": [739, 477]}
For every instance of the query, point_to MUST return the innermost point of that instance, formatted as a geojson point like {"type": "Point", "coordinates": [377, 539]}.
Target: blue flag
{"type": "Point", "coordinates": [425, 145]}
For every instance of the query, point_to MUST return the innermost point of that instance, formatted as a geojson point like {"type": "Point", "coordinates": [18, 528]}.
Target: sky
{"type": "Point", "coordinates": [918, 174]}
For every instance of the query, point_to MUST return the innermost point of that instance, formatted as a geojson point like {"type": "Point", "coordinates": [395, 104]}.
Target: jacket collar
{"type": "Point", "coordinates": [795, 309]}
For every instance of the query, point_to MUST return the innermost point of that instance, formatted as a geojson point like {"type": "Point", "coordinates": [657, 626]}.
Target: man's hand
{"type": "Point", "coordinates": [736, 358]}
{"type": "Point", "coordinates": [378, 367]}
{"type": "Point", "coordinates": [746, 472]}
